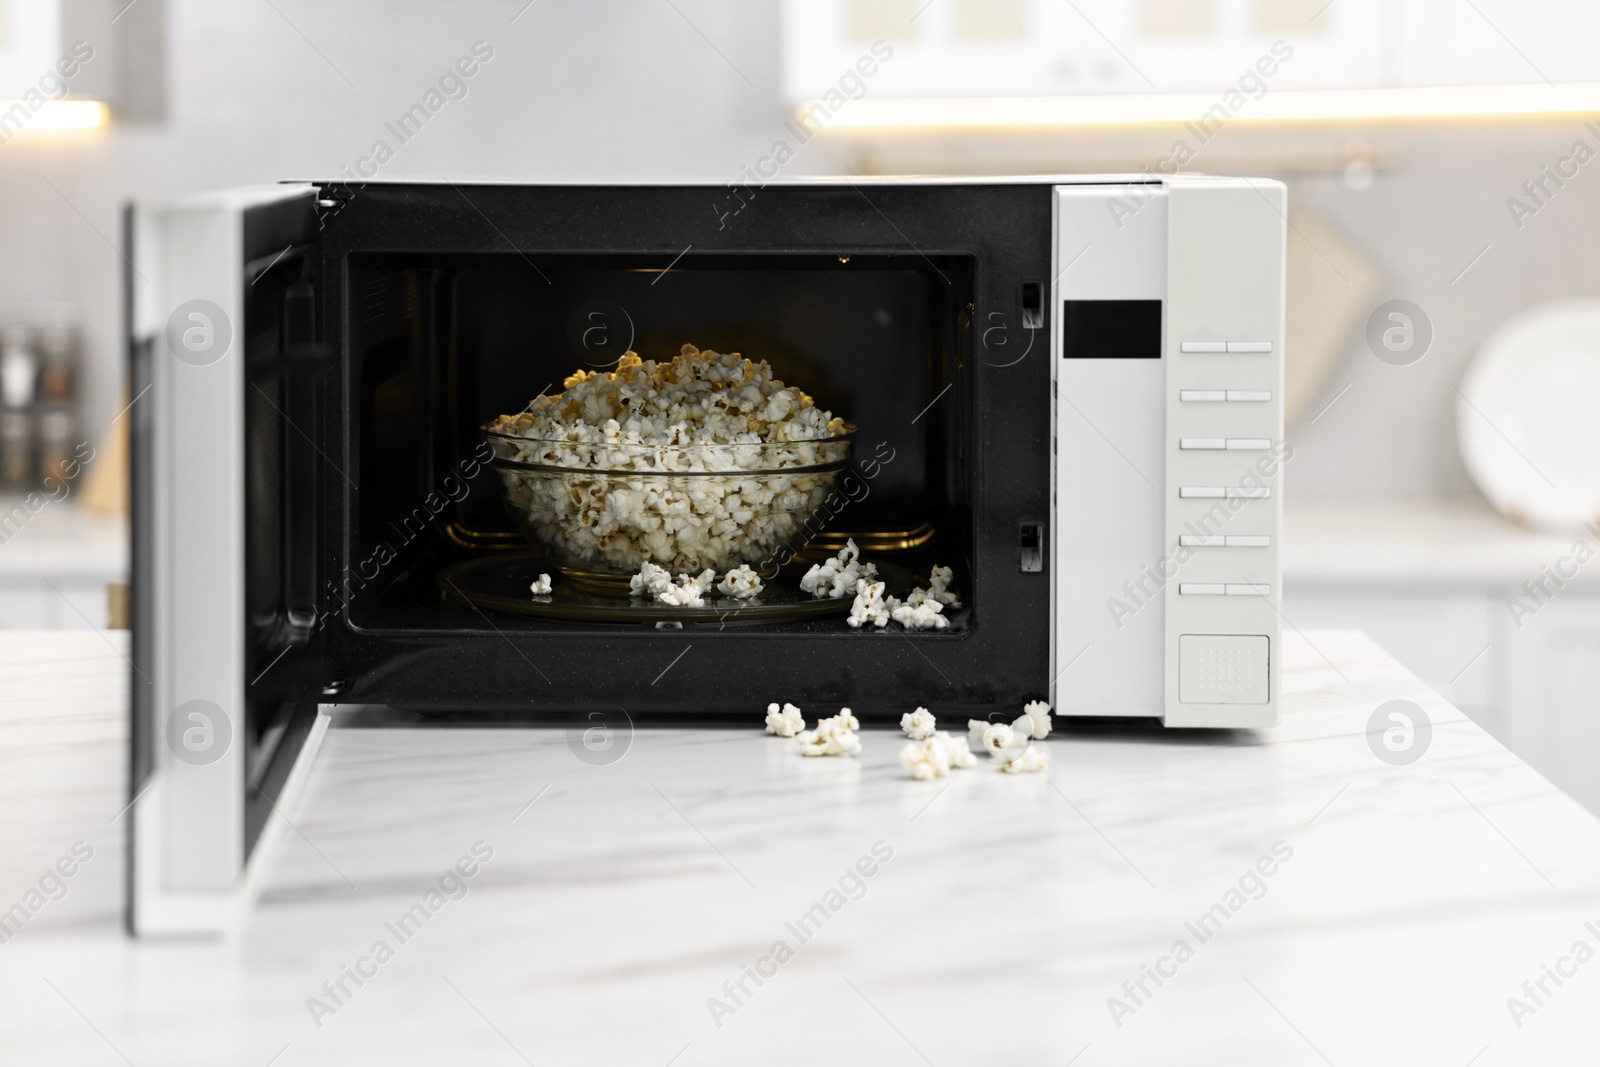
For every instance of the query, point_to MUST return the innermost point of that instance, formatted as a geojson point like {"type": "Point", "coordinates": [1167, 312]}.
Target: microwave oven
{"type": "Point", "coordinates": [1067, 390]}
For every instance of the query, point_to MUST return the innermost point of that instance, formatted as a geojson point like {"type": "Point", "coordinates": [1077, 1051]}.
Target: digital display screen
{"type": "Point", "coordinates": [1111, 329]}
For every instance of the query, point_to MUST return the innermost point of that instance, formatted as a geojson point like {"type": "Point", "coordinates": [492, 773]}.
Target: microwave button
{"type": "Point", "coordinates": [1203, 396]}
{"type": "Point", "coordinates": [1248, 444]}
{"type": "Point", "coordinates": [1223, 669]}
{"type": "Point", "coordinates": [1202, 541]}
{"type": "Point", "coordinates": [1249, 541]}
{"type": "Point", "coordinates": [1249, 346]}
{"type": "Point", "coordinates": [1248, 589]}
{"type": "Point", "coordinates": [1217, 492]}
{"type": "Point", "coordinates": [1231, 492]}
{"type": "Point", "coordinates": [1204, 346]}
{"type": "Point", "coordinates": [1201, 589]}
{"type": "Point", "coordinates": [1203, 443]}
{"type": "Point", "coordinates": [1253, 396]}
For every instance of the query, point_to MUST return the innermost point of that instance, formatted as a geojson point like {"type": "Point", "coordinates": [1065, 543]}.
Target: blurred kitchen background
{"type": "Point", "coordinates": [1431, 148]}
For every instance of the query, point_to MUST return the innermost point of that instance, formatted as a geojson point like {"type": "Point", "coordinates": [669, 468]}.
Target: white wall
{"type": "Point", "coordinates": [602, 87]}
{"type": "Point", "coordinates": [631, 88]}
{"type": "Point", "coordinates": [1394, 431]}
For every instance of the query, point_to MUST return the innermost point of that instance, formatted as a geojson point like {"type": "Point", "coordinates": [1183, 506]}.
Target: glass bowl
{"type": "Point", "coordinates": [601, 511]}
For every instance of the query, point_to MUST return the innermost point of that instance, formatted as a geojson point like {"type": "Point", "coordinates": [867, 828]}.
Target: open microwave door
{"type": "Point", "coordinates": [225, 362]}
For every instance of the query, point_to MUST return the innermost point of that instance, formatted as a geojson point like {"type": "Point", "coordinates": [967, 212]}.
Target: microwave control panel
{"type": "Point", "coordinates": [1223, 346]}
{"type": "Point", "coordinates": [1168, 450]}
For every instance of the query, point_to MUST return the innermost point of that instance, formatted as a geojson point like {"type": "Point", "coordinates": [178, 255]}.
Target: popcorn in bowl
{"type": "Point", "coordinates": [703, 461]}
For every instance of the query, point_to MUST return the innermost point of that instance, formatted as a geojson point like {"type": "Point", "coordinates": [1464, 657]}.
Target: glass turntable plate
{"type": "Point", "coordinates": [500, 583]}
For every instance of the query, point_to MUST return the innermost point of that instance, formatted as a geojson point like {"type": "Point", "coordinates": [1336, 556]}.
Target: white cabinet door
{"type": "Point", "coordinates": [22, 605]}
{"type": "Point", "coordinates": [1442, 637]}
{"type": "Point", "coordinates": [1554, 705]}
{"type": "Point", "coordinates": [78, 602]}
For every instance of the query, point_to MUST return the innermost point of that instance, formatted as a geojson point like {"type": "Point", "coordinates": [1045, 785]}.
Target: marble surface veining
{"type": "Point", "coordinates": [1405, 904]}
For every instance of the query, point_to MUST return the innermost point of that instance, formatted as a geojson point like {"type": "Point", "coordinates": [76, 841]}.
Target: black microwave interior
{"type": "Point", "coordinates": [407, 316]}
{"type": "Point", "coordinates": [442, 343]}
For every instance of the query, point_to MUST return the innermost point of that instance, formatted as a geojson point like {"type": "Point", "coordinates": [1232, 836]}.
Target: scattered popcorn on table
{"type": "Point", "coordinates": [960, 755]}
{"type": "Point", "coordinates": [834, 736]}
{"type": "Point", "coordinates": [935, 756]}
{"type": "Point", "coordinates": [741, 582]}
{"type": "Point", "coordinates": [847, 743]}
{"type": "Point", "coordinates": [924, 762]}
{"type": "Point", "coordinates": [1028, 759]}
{"type": "Point", "coordinates": [1010, 747]}
{"type": "Point", "coordinates": [786, 721]}
{"type": "Point", "coordinates": [838, 576]}
{"type": "Point", "coordinates": [869, 606]}
{"type": "Point", "coordinates": [919, 725]}
{"type": "Point", "coordinates": [540, 586]}
{"type": "Point", "coordinates": [838, 743]}
{"type": "Point", "coordinates": [1000, 738]}
{"type": "Point", "coordinates": [650, 416]}
{"type": "Point", "coordinates": [1035, 720]}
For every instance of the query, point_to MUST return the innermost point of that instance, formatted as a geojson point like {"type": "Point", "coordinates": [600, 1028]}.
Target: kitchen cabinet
{"type": "Point", "coordinates": [1437, 582]}
{"type": "Point", "coordinates": [55, 565]}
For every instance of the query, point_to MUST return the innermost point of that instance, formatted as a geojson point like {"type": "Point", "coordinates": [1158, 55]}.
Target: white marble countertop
{"type": "Point", "coordinates": [1424, 539]}
{"type": "Point", "coordinates": [1414, 900]}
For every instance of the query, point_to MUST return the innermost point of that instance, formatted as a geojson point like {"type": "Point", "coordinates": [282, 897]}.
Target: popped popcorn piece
{"type": "Point", "coordinates": [834, 736]}
{"type": "Point", "coordinates": [919, 725]}
{"type": "Point", "coordinates": [939, 582]}
{"type": "Point", "coordinates": [935, 598]}
{"type": "Point", "coordinates": [741, 582]}
{"type": "Point", "coordinates": [924, 762]}
{"type": "Point", "coordinates": [1027, 760]}
{"type": "Point", "coordinates": [999, 738]}
{"type": "Point", "coordinates": [926, 614]}
{"type": "Point", "coordinates": [786, 721]}
{"type": "Point", "coordinates": [1010, 744]}
{"type": "Point", "coordinates": [935, 756]}
{"type": "Point", "coordinates": [1035, 720]}
{"type": "Point", "coordinates": [540, 586]}
{"type": "Point", "coordinates": [649, 580]}
{"type": "Point", "coordinates": [839, 744]}
{"type": "Point", "coordinates": [685, 593]}
{"type": "Point", "coordinates": [975, 730]}
{"type": "Point", "coordinates": [956, 748]}
{"type": "Point", "coordinates": [650, 416]}
{"type": "Point", "coordinates": [842, 743]}
{"type": "Point", "coordinates": [869, 606]}
{"type": "Point", "coordinates": [654, 582]}
{"type": "Point", "coordinates": [838, 576]}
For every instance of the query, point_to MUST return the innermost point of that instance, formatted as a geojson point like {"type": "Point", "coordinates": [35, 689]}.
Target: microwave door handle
{"type": "Point", "coordinates": [303, 355]}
